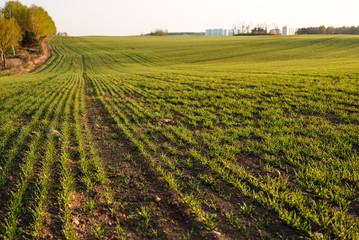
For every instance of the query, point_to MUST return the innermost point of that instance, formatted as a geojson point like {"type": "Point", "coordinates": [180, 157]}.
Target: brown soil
{"type": "Point", "coordinates": [17, 66]}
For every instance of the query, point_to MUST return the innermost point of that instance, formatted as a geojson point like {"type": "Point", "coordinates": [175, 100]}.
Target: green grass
{"type": "Point", "coordinates": [203, 112]}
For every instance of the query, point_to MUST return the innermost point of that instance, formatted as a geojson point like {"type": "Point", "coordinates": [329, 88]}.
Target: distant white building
{"type": "Point", "coordinates": [288, 31]}
{"type": "Point", "coordinates": [219, 32]}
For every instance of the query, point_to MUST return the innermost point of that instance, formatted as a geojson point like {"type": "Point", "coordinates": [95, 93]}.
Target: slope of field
{"type": "Point", "coordinates": [183, 138]}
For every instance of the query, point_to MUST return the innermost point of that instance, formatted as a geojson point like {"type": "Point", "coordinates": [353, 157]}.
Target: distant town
{"type": "Point", "coordinates": [263, 29]}
{"type": "Point", "coordinates": [245, 30]}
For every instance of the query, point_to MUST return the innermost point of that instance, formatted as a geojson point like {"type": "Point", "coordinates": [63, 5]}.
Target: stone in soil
{"type": "Point", "coordinates": [54, 132]}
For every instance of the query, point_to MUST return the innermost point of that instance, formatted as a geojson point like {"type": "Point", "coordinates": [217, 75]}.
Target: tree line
{"type": "Point", "coordinates": [329, 30]}
{"type": "Point", "coordinates": [22, 26]}
{"type": "Point", "coordinates": [159, 32]}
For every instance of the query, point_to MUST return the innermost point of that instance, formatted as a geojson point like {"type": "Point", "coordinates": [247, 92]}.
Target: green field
{"type": "Point", "coordinates": [183, 138]}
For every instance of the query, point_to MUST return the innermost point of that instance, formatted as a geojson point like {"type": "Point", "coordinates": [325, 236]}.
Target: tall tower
{"type": "Point", "coordinates": [285, 30]}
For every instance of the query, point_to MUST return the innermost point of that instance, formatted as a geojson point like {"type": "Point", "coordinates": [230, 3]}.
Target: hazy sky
{"type": "Point", "coordinates": [133, 17]}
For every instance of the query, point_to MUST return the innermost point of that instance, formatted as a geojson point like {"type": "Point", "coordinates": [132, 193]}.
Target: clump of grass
{"type": "Point", "coordinates": [98, 230]}
{"type": "Point", "coordinates": [209, 222]}
{"type": "Point", "coordinates": [89, 206]}
{"type": "Point", "coordinates": [246, 210]}
{"type": "Point", "coordinates": [144, 214]}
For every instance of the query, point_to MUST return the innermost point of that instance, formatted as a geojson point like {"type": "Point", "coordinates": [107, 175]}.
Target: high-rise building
{"type": "Point", "coordinates": [219, 32]}
{"type": "Point", "coordinates": [288, 31]}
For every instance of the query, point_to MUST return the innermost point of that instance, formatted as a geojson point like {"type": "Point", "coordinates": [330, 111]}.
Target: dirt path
{"type": "Point", "coordinates": [46, 54]}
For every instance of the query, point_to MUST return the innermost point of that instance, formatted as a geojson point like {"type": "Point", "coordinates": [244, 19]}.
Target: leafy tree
{"type": "Point", "coordinates": [29, 40]}
{"type": "Point", "coordinates": [34, 22]}
{"type": "Point", "coordinates": [40, 22]}
{"type": "Point", "coordinates": [14, 9]}
{"type": "Point", "coordinates": [18, 22]}
{"type": "Point", "coordinates": [259, 30]}
{"type": "Point", "coordinates": [159, 32]}
{"type": "Point", "coordinates": [10, 36]}
{"type": "Point", "coordinates": [65, 34]}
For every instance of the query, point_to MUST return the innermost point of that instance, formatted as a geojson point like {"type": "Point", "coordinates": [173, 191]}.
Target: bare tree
{"type": "Point", "coordinates": [248, 27]}
{"type": "Point", "coordinates": [265, 27]}
{"type": "Point", "coordinates": [241, 27]}
{"type": "Point", "coordinates": [276, 28]}
{"type": "Point", "coordinates": [235, 29]}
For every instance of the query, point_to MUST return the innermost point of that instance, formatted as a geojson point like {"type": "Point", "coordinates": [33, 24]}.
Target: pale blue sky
{"type": "Point", "coordinates": [133, 17]}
